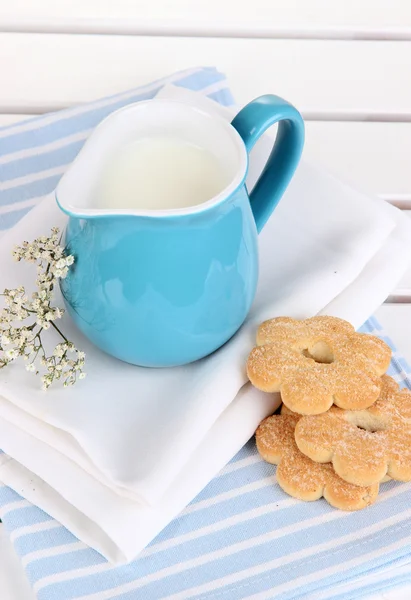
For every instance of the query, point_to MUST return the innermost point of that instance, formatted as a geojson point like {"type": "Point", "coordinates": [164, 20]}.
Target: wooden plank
{"type": "Point", "coordinates": [372, 157]}
{"type": "Point", "coordinates": [211, 17]}
{"type": "Point", "coordinates": [402, 201]}
{"type": "Point", "coordinates": [324, 79]}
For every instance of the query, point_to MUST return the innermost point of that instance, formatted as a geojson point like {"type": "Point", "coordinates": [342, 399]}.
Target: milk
{"type": "Point", "coordinates": [160, 173]}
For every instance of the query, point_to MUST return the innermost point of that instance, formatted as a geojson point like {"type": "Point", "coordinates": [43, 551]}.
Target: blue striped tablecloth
{"type": "Point", "coordinates": [242, 537]}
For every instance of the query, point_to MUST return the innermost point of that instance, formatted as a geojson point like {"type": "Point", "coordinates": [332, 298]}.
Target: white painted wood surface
{"type": "Point", "coordinates": [373, 157]}
{"type": "Point", "coordinates": [346, 65]}
{"type": "Point", "coordinates": [330, 80]}
{"type": "Point", "coordinates": [378, 19]}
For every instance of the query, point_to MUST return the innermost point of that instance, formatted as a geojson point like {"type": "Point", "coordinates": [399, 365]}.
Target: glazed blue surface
{"type": "Point", "coordinates": [166, 290]}
{"type": "Point", "coordinates": [251, 122]}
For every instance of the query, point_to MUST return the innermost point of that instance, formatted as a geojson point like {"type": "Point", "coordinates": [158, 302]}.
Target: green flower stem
{"type": "Point", "coordinates": [47, 253]}
{"type": "Point", "coordinates": [58, 330]}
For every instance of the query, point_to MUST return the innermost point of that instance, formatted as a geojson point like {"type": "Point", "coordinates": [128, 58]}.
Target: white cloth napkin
{"type": "Point", "coordinates": [119, 455]}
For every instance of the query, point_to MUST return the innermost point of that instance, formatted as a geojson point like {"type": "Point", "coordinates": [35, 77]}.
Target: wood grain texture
{"type": "Point", "coordinates": [378, 18]}
{"type": "Point", "coordinates": [372, 157]}
{"type": "Point", "coordinates": [323, 79]}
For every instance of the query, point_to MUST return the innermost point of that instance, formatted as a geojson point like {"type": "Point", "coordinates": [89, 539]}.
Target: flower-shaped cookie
{"type": "Point", "coordinates": [365, 445]}
{"type": "Point", "coordinates": [300, 476]}
{"type": "Point", "coordinates": [318, 362]}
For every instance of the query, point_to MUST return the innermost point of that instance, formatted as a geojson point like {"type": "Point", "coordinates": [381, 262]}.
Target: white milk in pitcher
{"type": "Point", "coordinates": [160, 173]}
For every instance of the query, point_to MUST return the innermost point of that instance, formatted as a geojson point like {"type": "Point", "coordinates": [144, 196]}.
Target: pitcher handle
{"type": "Point", "coordinates": [251, 122]}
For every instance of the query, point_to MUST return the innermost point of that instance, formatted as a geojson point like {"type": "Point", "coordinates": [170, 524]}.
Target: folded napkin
{"type": "Point", "coordinates": [121, 454]}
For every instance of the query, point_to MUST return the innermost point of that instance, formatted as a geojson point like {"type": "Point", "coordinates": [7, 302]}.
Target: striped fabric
{"type": "Point", "coordinates": [34, 154]}
{"type": "Point", "coordinates": [242, 537]}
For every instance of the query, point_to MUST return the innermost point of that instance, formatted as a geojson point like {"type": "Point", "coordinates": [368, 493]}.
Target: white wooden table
{"type": "Point", "coordinates": [345, 64]}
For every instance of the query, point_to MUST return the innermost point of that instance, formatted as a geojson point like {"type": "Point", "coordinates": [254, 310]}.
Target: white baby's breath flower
{"type": "Point", "coordinates": [46, 380]}
{"type": "Point", "coordinates": [52, 264]}
{"type": "Point", "coordinates": [11, 354]}
{"type": "Point", "coordinates": [19, 342]}
{"type": "Point", "coordinates": [58, 351]}
{"type": "Point", "coordinates": [61, 263]}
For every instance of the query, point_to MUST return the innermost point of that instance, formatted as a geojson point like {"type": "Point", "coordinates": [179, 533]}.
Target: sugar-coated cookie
{"type": "Point", "coordinates": [363, 446]}
{"type": "Point", "coordinates": [318, 362]}
{"type": "Point", "coordinates": [301, 477]}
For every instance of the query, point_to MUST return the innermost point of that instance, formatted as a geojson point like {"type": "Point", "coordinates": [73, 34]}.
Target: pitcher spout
{"type": "Point", "coordinates": [165, 158]}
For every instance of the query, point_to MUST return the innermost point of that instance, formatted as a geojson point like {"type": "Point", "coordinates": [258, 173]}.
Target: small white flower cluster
{"type": "Point", "coordinates": [25, 341]}
{"type": "Point", "coordinates": [59, 366]}
{"type": "Point", "coordinates": [47, 252]}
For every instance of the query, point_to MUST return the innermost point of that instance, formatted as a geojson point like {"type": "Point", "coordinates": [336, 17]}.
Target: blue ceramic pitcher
{"type": "Point", "coordinates": [167, 287]}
